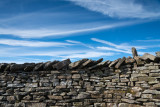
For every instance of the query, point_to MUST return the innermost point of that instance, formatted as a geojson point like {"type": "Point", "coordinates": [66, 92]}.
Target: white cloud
{"type": "Point", "coordinates": [91, 54]}
{"type": "Point", "coordinates": [80, 43]}
{"type": "Point", "coordinates": [113, 49]}
{"type": "Point", "coordinates": [118, 8]}
{"type": "Point", "coordinates": [151, 40]}
{"type": "Point", "coordinates": [13, 42]}
{"type": "Point", "coordinates": [123, 46]}
{"type": "Point", "coordinates": [40, 33]}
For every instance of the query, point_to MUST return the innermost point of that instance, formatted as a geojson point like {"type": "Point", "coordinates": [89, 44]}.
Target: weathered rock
{"type": "Point", "coordinates": [17, 67]}
{"type": "Point", "coordinates": [139, 60]}
{"type": "Point", "coordinates": [158, 54]}
{"type": "Point", "coordinates": [148, 56]}
{"type": "Point", "coordinates": [120, 62]}
{"type": "Point", "coordinates": [129, 60]}
{"type": "Point", "coordinates": [62, 65]}
{"type": "Point", "coordinates": [2, 66]}
{"type": "Point", "coordinates": [114, 62]}
{"type": "Point", "coordinates": [77, 64]}
{"type": "Point", "coordinates": [101, 64]}
{"type": "Point", "coordinates": [156, 86]}
{"type": "Point", "coordinates": [134, 52]}
{"type": "Point", "coordinates": [48, 65]}
{"type": "Point", "coordinates": [38, 67]}
{"type": "Point", "coordinates": [83, 95]}
{"type": "Point", "coordinates": [88, 63]}
{"type": "Point", "coordinates": [29, 67]}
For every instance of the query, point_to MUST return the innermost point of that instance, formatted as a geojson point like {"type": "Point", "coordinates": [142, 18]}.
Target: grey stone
{"type": "Point", "coordinates": [48, 65]}
{"type": "Point", "coordinates": [120, 62]}
{"type": "Point", "coordinates": [83, 95]}
{"type": "Point", "coordinates": [38, 67]}
{"type": "Point", "coordinates": [134, 52]}
{"type": "Point", "coordinates": [77, 64]}
{"type": "Point", "coordinates": [62, 65]}
{"type": "Point", "coordinates": [148, 56]}
{"type": "Point", "coordinates": [114, 62]}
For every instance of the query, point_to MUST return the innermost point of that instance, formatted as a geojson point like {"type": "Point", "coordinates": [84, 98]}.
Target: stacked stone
{"type": "Point", "coordinates": [125, 82]}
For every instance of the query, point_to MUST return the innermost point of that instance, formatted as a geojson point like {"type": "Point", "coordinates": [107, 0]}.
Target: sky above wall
{"type": "Point", "coordinates": [47, 30]}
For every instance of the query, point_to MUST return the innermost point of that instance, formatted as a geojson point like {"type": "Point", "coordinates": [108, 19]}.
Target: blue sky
{"type": "Point", "coordinates": [46, 30]}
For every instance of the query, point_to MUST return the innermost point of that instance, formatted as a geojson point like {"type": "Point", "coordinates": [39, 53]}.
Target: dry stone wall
{"type": "Point", "coordinates": [125, 82]}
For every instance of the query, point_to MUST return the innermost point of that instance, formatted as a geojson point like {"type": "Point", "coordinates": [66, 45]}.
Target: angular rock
{"type": "Point", "coordinates": [134, 52]}
{"type": "Point", "coordinates": [2, 66]}
{"type": "Point", "coordinates": [62, 65]}
{"type": "Point", "coordinates": [156, 86]}
{"type": "Point", "coordinates": [17, 67]}
{"type": "Point", "coordinates": [158, 54]}
{"type": "Point", "coordinates": [114, 62]}
{"type": "Point", "coordinates": [139, 60]}
{"type": "Point", "coordinates": [120, 62]}
{"type": "Point", "coordinates": [83, 95]}
{"type": "Point", "coordinates": [88, 63]}
{"type": "Point", "coordinates": [129, 60]}
{"type": "Point", "coordinates": [38, 67]}
{"type": "Point", "coordinates": [29, 67]}
{"type": "Point", "coordinates": [148, 56]}
{"type": "Point", "coordinates": [98, 61]}
{"type": "Point", "coordinates": [101, 64]}
{"type": "Point", "coordinates": [77, 64]}
{"type": "Point", "coordinates": [48, 65]}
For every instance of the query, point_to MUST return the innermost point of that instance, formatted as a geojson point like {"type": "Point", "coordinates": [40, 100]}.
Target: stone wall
{"type": "Point", "coordinates": [125, 82]}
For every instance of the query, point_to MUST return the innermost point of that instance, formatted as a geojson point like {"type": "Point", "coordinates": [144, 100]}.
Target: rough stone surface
{"type": "Point", "coordinates": [125, 82]}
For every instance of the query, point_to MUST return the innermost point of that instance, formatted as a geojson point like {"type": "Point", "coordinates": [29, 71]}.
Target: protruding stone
{"type": "Point", "coordinates": [120, 62]}
{"type": "Point", "coordinates": [158, 54]}
{"type": "Point", "coordinates": [48, 65]}
{"type": "Point", "coordinates": [129, 60]}
{"type": "Point", "coordinates": [38, 67]}
{"type": "Point", "coordinates": [62, 65]}
{"type": "Point", "coordinates": [114, 62]}
{"type": "Point", "coordinates": [83, 95]}
{"type": "Point", "coordinates": [148, 56]}
{"type": "Point", "coordinates": [2, 66]}
{"type": "Point", "coordinates": [29, 67]}
{"type": "Point", "coordinates": [17, 67]}
{"type": "Point", "coordinates": [134, 52]}
{"type": "Point", "coordinates": [77, 64]}
{"type": "Point", "coordinates": [139, 60]}
{"type": "Point", "coordinates": [102, 64]}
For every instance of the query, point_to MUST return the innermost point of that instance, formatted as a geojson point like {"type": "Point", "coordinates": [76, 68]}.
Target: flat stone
{"type": "Point", "coordinates": [2, 66]}
{"type": "Point", "coordinates": [15, 85]}
{"type": "Point", "coordinates": [114, 62]}
{"type": "Point", "coordinates": [77, 64]}
{"type": "Point", "coordinates": [129, 60]}
{"type": "Point", "coordinates": [148, 96]}
{"type": "Point", "coordinates": [38, 67]}
{"type": "Point", "coordinates": [76, 76]}
{"type": "Point", "coordinates": [128, 101]}
{"type": "Point", "coordinates": [139, 60]}
{"type": "Point", "coordinates": [83, 95]}
{"type": "Point", "coordinates": [62, 65]}
{"type": "Point", "coordinates": [158, 54]}
{"type": "Point", "coordinates": [31, 85]}
{"type": "Point", "coordinates": [35, 105]}
{"type": "Point", "coordinates": [151, 91]}
{"type": "Point", "coordinates": [88, 63]}
{"type": "Point", "coordinates": [148, 56]}
{"type": "Point", "coordinates": [48, 65]}
{"type": "Point", "coordinates": [53, 97]}
{"type": "Point", "coordinates": [156, 86]}
{"type": "Point", "coordinates": [101, 64]}
{"type": "Point", "coordinates": [147, 79]}
{"type": "Point", "coordinates": [120, 62]}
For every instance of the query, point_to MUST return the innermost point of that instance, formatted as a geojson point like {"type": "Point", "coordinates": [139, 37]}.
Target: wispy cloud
{"type": "Point", "coordinates": [151, 40]}
{"type": "Point", "coordinates": [80, 43]}
{"type": "Point", "coordinates": [120, 8]}
{"type": "Point", "coordinates": [122, 46]}
{"type": "Point", "coordinates": [13, 42]}
{"type": "Point", "coordinates": [40, 33]}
